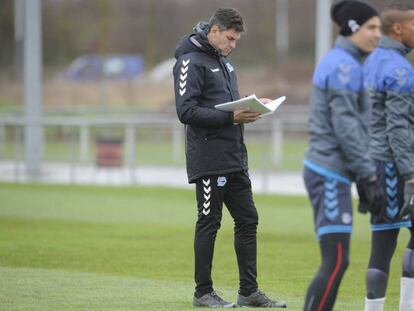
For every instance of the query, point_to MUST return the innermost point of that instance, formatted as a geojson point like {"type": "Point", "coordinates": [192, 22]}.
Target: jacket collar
{"type": "Point", "coordinates": [388, 43]}
{"type": "Point", "coordinates": [350, 47]}
{"type": "Point", "coordinates": [200, 40]}
{"type": "Point", "coordinates": [202, 43]}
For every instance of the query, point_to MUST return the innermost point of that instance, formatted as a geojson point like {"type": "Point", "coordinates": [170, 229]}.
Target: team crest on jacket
{"type": "Point", "coordinates": [229, 67]}
{"type": "Point", "coordinates": [183, 76]}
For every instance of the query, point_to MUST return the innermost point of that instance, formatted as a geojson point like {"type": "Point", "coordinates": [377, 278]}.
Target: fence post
{"type": "Point", "coordinates": [72, 144]}
{"type": "Point", "coordinates": [17, 152]}
{"type": "Point", "coordinates": [84, 143]}
{"type": "Point", "coordinates": [177, 139]}
{"type": "Point", "coordinates": [2, 141]}
{"type": "Point", "coordinates": [130, 150]}
{"type": "Point", "coordinates": [266, 160]}
{"type": "Point", "coordinates": [277, 142]}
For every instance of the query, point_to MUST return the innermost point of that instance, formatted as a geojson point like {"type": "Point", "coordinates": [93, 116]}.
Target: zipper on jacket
{"type": "Point", "coordinates": [226, 76]}
{"type": "Point", "coordinates": [240, 126]}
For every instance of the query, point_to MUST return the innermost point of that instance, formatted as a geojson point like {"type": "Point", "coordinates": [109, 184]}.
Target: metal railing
{"type": "Point", "coordinates": [79, 136]}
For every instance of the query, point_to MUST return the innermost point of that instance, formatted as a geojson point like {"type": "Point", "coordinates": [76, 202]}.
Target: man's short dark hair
{"type": "Point", "coordinates": [227, 19]}
{"type": "Point", "coordinates": [394, 13]}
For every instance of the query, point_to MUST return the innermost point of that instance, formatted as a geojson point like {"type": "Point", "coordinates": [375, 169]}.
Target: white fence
{"type": "Point", "coordinates": [80, 135]}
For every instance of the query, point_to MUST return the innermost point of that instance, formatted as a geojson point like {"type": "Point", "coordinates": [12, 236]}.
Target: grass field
{"type": "Point", "coordinates": [96, 248]}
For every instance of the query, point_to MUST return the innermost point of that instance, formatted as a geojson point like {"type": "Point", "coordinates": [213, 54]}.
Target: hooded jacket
{"type": "Point", "coordinates": [339, 116]}
{"type": "Point", "coordinates": [390, 81]}
{"type": "Point", "coordinates": [202, 79]}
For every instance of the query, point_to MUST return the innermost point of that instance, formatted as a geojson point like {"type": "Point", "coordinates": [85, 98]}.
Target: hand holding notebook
{"type": "Point", "coordinates": [253, 103]}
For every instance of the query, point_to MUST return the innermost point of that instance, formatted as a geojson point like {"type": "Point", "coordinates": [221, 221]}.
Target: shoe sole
{"type": "Point", "coordinates": [281, 306]}
{"type": "Point", "coordinates": [229, 306]}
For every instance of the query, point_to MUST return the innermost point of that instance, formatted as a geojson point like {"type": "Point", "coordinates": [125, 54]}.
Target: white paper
{"type": "Point", "coordinates": [253, 103]}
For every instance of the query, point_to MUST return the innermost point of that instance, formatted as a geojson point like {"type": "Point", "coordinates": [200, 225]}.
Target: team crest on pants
{"type": "Point", "coordinates": [221, 181]}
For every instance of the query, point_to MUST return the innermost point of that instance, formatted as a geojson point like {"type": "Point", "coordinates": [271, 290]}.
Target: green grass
{"type": "Point", "coordinates": [101, 248]}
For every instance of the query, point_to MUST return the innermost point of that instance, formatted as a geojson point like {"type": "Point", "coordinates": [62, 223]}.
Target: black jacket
{"type": "Point", "coordinates": [202, 79]}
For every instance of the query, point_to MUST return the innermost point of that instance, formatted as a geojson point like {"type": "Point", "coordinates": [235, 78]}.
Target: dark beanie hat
{"type": "Point", "coordinates": [351, 15]}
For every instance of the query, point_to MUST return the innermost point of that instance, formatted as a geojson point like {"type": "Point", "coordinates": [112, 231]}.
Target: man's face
{"type": "Point", "coordinates": [224, 41]}
{"type": "Point", "coordinates": [407, 29]}
{"type": "Point", "coordinates": [368, 36]}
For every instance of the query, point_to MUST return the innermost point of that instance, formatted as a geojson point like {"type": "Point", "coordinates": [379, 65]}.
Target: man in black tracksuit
{"type": "Point", "coordinates": [216, 154]}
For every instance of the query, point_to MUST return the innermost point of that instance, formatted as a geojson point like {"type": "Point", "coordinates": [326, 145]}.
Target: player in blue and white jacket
{"type": "Point", "coordinates": [338, 143]}
{"type": "Point", "coordinates": [389, 77]}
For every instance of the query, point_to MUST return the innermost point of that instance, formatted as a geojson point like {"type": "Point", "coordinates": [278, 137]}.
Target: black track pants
{"type": "Point", "coordinates": [234, 190]}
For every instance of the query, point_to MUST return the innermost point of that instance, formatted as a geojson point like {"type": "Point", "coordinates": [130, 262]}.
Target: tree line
{"type": "Point", "coordinates": [151, 28]}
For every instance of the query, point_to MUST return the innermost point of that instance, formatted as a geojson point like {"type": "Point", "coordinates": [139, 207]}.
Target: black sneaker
{"type": "Point", "coordinates": [259, 300]}
{"type": "Point", "coordinates": [212, 300]}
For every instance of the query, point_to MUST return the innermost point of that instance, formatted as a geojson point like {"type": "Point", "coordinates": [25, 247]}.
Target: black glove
{"type": "Point", "coordinates": [371, 196]}
{"type": "Point", "coordinates": [408, 206]}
